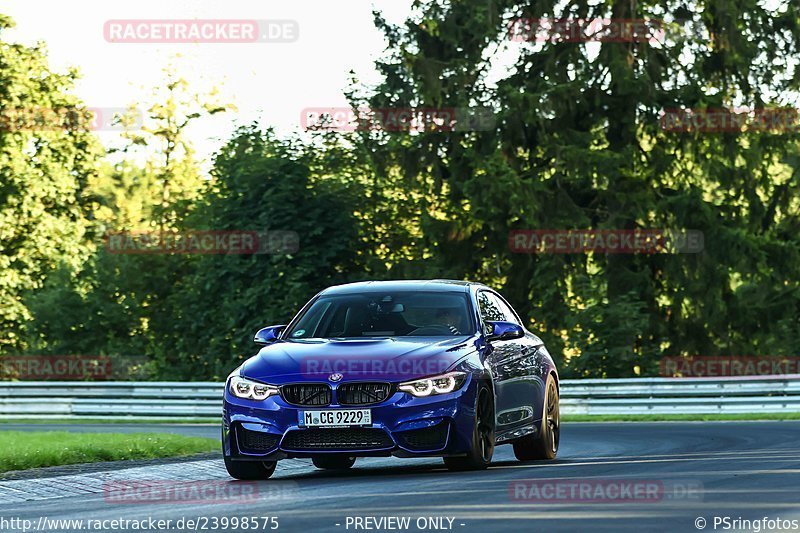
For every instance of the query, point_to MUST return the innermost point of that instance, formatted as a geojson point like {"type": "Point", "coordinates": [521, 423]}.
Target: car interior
{"type": "Point", "coordinates": [384, 316]}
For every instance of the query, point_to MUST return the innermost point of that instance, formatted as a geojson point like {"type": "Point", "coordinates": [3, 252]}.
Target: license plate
{"type": "Point", "coordinates": [336, 417]}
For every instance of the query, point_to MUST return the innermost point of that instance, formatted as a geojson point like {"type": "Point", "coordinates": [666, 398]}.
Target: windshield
{"type": "Point", "coordinates": [395, 314]}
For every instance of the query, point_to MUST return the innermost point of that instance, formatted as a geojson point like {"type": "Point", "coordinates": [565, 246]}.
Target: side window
{"type": "Point", "coordinates": [505, 309]}
{"type": "Point", "coordinates": [488, 307]}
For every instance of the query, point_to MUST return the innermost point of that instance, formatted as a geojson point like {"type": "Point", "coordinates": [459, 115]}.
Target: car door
{"type": "Point", "coordinates": [515, 369]}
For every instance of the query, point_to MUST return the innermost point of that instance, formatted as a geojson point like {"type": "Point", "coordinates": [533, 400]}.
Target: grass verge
{"type": "Point", "coordinates": [677, 417]}
{"type": "Point", "coordinates": [20, 450]}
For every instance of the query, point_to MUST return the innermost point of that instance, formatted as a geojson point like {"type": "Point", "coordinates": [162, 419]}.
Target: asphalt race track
{"type": "Point", "coordinates": [740, 470]}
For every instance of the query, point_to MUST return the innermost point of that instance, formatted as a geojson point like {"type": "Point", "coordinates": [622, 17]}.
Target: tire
{"type": "Point", "coordinates": [333, 462]}
{"type": "Point", "coordinates": [249, 470]}
{"type": "Point", "coordinates": [544, 444]}
{"type": "Point", "coordinates": [483, 438]}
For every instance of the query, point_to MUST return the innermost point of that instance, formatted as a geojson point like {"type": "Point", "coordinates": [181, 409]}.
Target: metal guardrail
{"type": "Point", "coordinates": [768, 394]}
{"type": "Point", "coordinates": [202, 400]}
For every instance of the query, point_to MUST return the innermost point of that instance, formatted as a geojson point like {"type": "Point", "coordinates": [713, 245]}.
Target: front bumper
{"type": "Point", "coordinates": [403, 425]}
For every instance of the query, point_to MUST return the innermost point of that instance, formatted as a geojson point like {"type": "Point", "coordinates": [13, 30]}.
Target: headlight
{"type": "Point", "coordinates": [435, 385]}
{"type": "Point", "coordinates": [244, 388]}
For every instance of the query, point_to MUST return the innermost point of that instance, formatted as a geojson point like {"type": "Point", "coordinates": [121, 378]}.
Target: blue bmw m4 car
{"type": "Point", "coordinates": [405, 368]}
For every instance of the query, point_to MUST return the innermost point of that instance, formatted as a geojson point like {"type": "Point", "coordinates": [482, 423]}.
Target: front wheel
{"type": "Point", "coordinates": [333, 462]}
{"type": "Point", "coordinates": [249, 470]}
{"type": "Point", "coordinates": [543, 444]}
{"type": "Point", "coordinates": [482, 448]}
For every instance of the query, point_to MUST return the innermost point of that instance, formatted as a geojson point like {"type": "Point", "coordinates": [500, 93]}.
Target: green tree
{"type": "Point", "coordinates": [259, 183]}
{"type": "Point", "coordinates": [47, 156]}
{"type": "Point", "coordinates": [110, 307]}
{"type": "Point", "coordinates": [579, 144]}
{"type": "Point", "coordinates": [162, 131]}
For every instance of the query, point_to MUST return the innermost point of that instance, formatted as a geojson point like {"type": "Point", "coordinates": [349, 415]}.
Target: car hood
{"type": "Point", "coordinates": [384, 359]}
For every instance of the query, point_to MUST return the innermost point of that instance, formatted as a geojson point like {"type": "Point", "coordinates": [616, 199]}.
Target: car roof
{"type": "Point", "coordinates": [435, 285]}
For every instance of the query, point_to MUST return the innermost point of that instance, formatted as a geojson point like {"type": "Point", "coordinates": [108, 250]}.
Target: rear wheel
{"type": "Point", "coordinates": [543, 444]}
{"type": "Point", "coordinates": [482, 449]}
{"type": "Point", "coordinates": [333, 462]}
{"type": "Point", "coordinates": [249, 470]}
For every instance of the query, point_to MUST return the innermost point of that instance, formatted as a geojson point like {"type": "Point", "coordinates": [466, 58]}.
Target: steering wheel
{"type": "Point", "coordinates": [432, 330]}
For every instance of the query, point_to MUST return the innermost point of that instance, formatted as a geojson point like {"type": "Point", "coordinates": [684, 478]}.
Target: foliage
{"type": "Point", "coordinates": [259, 184]}
{"type": "Point", "coordinates": [578, 142]}
{"type": "Point", "coordinates": [46, 159]}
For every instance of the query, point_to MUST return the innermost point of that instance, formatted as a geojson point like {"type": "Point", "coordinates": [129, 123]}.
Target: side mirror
{"type": "Point", "coordinates": [268, 335]}
{"type": "Point", "coordinates": [504, 331]}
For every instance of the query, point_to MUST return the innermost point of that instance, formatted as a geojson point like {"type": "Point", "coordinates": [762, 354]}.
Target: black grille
{"type": "Point", "coordinates": [307, 394]}
{"type": "Point", "coordinates": [362, 393]}
{"type": "Point", "coordinates": [342, 439]}
{"type": "Point", "coordinates": [432, 438]}
{"type": "Point", "coordinates": [256, 441]}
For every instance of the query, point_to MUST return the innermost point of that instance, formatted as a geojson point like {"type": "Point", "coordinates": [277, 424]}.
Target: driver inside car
{"type": "Point", "coordinates": [449, 318]}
